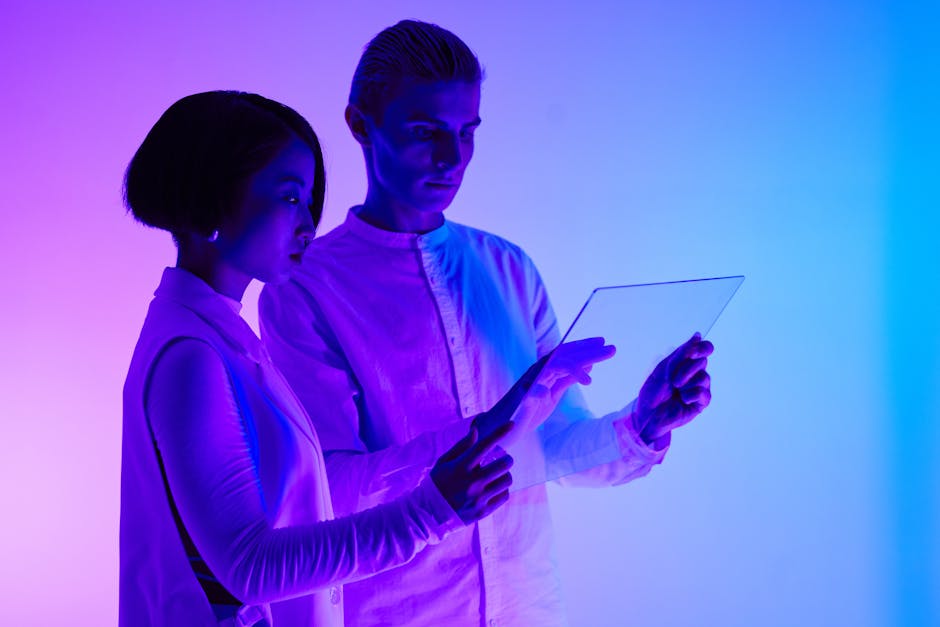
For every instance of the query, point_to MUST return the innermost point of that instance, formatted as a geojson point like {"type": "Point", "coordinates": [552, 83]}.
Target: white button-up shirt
{"type": "Point", "coordinates": [248, 480]}
{"type": "Point", "coordinates": [392, 341]}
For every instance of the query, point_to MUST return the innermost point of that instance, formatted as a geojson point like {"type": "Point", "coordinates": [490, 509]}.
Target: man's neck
{"type": "Point", "coordinates": [390, 216]}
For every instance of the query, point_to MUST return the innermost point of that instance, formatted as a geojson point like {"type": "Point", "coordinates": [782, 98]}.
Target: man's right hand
{"type": "Point", "coordinates": [538, 391]}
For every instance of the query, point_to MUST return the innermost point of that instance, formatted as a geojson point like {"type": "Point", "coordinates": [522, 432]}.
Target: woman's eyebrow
{"type": "Point", "coordinates": [291, 178]}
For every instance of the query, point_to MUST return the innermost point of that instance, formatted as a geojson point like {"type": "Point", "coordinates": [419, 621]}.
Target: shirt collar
{"type": "Point", "coordinates": [217, 310]}
{"type": "Point", "coordinates": [392, 239]}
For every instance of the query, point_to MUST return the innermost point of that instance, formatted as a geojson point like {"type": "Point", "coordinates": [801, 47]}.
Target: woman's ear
{"type": "Point", "coordinates": [356, 121]}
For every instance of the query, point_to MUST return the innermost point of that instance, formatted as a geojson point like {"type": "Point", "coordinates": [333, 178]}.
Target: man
{"type": "Point", "coordinates": [401, 326]}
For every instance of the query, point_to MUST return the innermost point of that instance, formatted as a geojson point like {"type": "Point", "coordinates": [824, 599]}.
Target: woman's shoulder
{"type": "Point", "coordinates": [168, 323]}
{"type": "Point", "coordinates": [168, 320]}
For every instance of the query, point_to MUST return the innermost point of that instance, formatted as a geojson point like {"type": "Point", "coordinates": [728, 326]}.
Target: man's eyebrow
{"type": "Point", "coordinates": [421, 118]}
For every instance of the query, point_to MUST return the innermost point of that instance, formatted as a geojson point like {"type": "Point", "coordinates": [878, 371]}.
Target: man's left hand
{"type": "Point", "coordinates": [676, 392]}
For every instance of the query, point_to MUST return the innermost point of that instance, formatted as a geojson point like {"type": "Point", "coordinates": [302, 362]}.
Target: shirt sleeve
{"type": "Point", "coordinates": [209, 469]}
{"type": "Point", "coordinates": [304, 348]}
{"type": "Point", "coordinates": [580, 449]}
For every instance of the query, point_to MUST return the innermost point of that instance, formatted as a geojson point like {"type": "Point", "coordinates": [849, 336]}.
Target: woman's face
{"type": "Point", "coordinates": [265, 235]}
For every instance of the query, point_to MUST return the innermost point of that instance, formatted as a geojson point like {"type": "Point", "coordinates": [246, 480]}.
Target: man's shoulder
{"type": "Point", "coordinates": [338, 237]}
{"type": "Point", "coordinates": [488, 242]}
{"type": "Point", "coordinates": [326, 253]}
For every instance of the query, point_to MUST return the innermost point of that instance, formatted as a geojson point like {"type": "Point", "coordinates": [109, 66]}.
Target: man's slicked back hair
{"type": "Point", "coordinates": [410, 50]}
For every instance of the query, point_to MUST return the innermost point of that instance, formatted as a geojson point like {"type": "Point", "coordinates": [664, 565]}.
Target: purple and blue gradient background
{"type": "Point", "coordinates": [795, 142]}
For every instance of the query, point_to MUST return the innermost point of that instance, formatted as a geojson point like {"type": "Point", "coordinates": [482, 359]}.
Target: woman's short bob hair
{"type": "Point", "coordinates": [188, 172]}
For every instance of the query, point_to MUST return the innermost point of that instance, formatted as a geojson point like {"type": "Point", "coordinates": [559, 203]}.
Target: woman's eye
{"type": "Point", "coordinates": [292, 199]}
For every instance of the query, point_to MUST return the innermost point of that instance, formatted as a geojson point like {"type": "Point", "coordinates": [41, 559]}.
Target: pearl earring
{"type": "Point", "coordinates": [214, 235]}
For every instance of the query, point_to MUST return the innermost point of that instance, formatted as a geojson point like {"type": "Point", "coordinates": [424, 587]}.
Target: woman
{"type": "Point", "coordinates": [225, 508]}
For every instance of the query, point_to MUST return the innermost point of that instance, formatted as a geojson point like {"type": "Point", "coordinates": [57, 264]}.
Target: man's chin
{"type": "Point", "coordinates": [433, 205]}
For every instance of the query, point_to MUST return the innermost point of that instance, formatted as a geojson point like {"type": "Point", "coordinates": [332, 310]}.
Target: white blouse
{"type": "Point", "coordinates": [246, 473]}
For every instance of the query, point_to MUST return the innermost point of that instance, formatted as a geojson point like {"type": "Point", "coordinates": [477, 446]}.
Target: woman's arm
{"type": "Point", "coordinates": [213, 480]}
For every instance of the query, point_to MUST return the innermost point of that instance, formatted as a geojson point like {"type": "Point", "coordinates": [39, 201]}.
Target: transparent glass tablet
{"type": "Point", "coordinates": [646, 323]}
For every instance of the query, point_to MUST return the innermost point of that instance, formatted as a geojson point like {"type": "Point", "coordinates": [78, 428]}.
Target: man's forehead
{"type": "Point", "coordinates": [415, 99]}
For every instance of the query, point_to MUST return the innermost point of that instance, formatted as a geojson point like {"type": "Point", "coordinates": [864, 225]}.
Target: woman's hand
{"type": "Point", "coordinates": [474, 489]}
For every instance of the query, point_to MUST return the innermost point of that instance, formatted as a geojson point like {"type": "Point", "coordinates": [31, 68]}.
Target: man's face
{"type": "Point", "coordinates": [422, 145]}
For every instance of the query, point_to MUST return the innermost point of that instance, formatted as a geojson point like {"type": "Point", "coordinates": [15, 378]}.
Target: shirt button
{"type": "Point", "coordinates": [453, 341]}
{"type": "Point", "coordinates": [487, 550]}
{"type": "Point", "coordinates": [334, 595]}
{"type": "Point", "coordinates": [466, 411]}
{"type": "Point", "coordinates": [493, 622]}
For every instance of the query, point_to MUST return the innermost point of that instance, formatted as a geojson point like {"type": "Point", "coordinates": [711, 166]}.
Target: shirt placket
{"type": "Point", "coordinates": [468, 397]}
{"type": "Point", "coordinates": [467, 394]}
{"type": "Point", "coordinates": [492, 586]}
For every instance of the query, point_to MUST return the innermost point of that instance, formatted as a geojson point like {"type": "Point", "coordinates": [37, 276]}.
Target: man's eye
{"type": "Point", "coordinates": [421, 132]}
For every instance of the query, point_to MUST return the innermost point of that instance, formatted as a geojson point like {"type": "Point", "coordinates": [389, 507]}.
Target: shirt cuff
{"type": "Point", "coordinates": [632, 445]}
{"type": "Point", "coordinates": [444, 519]}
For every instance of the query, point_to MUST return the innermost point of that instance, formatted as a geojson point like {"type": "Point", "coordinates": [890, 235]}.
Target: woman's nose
{"type": "Point", "coordinates": [306, 229]}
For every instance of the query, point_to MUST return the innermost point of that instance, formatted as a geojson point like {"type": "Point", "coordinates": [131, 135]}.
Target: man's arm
{"type": "Point", "coordinates": [677, 390]}
{"type": "Point", "coordinates": [580, 449]}
{"type": "Point", "coordinates": [309, 355]}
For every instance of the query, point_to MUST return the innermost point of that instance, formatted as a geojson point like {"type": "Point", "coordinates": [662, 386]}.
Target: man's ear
{"type": "Point", "coordinates": [356, 121]}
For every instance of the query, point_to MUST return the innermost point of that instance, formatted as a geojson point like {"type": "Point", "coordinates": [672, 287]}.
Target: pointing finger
{"type": "Point", "coordinates": [478, 452]}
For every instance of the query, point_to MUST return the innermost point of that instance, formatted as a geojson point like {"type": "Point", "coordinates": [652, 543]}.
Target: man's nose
{"type": "Point", "coordinates": [447, 154]}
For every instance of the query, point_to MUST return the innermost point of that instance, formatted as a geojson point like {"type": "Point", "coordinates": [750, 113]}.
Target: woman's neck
{"type": "Point", "coordinates": [202, 260]}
